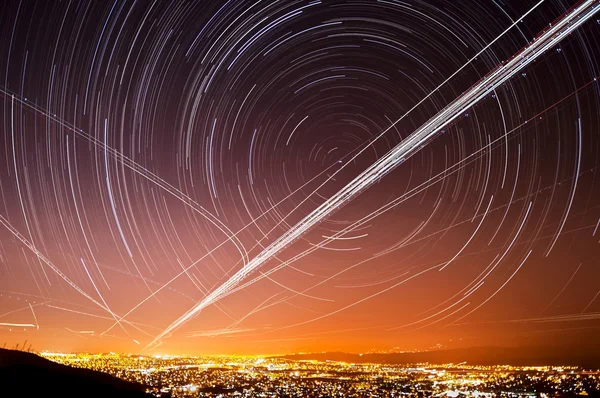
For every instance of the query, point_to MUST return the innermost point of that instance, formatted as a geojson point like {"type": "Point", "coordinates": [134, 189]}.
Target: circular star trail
{"type": "Point", "coordinates": [156, 156]}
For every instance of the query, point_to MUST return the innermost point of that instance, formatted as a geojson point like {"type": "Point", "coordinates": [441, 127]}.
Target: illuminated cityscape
{"type": "Point", "coordinates": [220, 376]}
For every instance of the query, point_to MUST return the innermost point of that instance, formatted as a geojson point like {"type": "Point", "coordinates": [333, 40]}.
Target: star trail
{"type": "Point", "coordinates": [258, 177]}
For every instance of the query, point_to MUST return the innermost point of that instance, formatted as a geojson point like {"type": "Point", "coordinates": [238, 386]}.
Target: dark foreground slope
{"type": "Point", "coordinates": [531, 356]}
{"type": "Point", "coordinates": [23, 374]}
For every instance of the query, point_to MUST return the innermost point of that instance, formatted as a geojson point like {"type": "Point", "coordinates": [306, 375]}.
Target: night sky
{"type": "Point", "coordinates": [165, 166]}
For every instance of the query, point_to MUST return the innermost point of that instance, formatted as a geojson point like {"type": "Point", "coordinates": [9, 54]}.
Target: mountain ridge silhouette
{"type": "Point", "coordinates": [574, 355]}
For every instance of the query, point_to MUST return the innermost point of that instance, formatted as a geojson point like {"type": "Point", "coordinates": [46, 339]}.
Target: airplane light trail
{"type": "Point", "coordinates": [558, 30]}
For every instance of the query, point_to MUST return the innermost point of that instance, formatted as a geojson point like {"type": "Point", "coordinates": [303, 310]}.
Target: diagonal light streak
{"type": "Point", "coordinates": [558, 30]}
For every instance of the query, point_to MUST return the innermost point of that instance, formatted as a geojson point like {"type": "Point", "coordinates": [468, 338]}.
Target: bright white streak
{"type": "Point", "coordinates": [294, 130]}
{"type": "Point", "coordinates": [37, 325]}
{"type": "Point", "coordinates": [25, 325]}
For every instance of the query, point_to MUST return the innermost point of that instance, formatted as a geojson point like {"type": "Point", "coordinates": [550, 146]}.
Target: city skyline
{"type": "Point", "coordinates": [251, 178]}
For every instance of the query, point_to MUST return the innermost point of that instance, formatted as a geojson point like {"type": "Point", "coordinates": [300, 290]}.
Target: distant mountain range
{"type": "Point", "coordinates": [24, 374]}
{"type": "Point", "coordinates": [585, 357]}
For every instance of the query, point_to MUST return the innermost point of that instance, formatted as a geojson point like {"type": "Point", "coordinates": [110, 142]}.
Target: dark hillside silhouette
{"type": "Point", "coordinates": [23, 374]}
